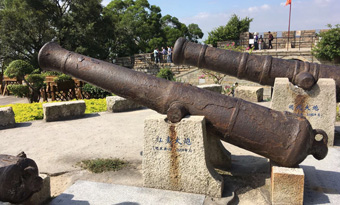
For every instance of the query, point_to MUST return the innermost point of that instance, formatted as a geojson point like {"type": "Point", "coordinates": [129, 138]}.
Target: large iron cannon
{"type": "Point", "coordinates": [282, 137]}
{"type": "Point", "coordinates": [260, 69]}
{"type": "Point", "coordinates": [19, 178]}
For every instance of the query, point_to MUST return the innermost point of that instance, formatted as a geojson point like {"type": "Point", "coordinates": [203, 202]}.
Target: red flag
{"type": "Point", "coordinates": [288, 2]}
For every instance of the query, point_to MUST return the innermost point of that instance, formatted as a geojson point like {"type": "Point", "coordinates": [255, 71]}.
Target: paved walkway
{"type": "Point", "coordinates": [5, 100]}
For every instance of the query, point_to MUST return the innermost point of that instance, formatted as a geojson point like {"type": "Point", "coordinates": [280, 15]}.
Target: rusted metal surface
{"type": "Point", "coordinates": [19, 178]}
{"type": "Point", "coordinates": [283, 137]}
{"type": "Point", "coordinates": [260, 69]}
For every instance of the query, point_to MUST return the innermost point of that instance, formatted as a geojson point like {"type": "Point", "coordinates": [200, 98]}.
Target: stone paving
{"type": "Point", "coordinates": [58, 146]}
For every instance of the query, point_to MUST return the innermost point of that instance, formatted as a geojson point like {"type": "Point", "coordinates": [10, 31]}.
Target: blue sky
{"type": "Point", "coordinates": [268, 15]}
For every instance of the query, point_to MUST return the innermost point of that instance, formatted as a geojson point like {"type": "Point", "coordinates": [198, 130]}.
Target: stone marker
{"type": "Point", "coordinates": [120, 104]}
{"type": "Point", "coordinates": [176, 156]}
{"type": "Point", "coordinates": [317, 105]}
{"type": "Point", "coordinates": [6, 118]}
{"type": "Point", "coordinates": [212, 87]}
{"type": "Point", "coordinates": [63, 110]}
{"type": "Point", "coordinates": [287, 185]}
{"type": "Point", "coordinates": [249, 93]}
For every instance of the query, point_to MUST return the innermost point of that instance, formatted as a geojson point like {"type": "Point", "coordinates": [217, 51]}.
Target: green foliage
{"type": "Point", "coordinates": [18, 69]}
{"type": "Point", "coordinates": [194, 32]}
{"type": "Point", "coordinates": [95, 105]}
{"type": "Point", "coordinates": [231, 31]}
{"type": "Point", "coordinates": [19, 90]}
{"type": "Point", "coordinates": [36, 81]}
{"type": "Point", "coordinates": [95, 92]}
{"type": "Point", "coordinates": [329, 46]}
{"type": "Point", "coordinates": [25, 112]}
{"type": "Point", "coordinates": [62, 78]}
{"type": "Point", "coordinates": [166, 73]}
{"type": "Point", "coordinates": [122, 28]}
{"type": "Point", "coordinates": [102, 165]}
{"type": "Point", "coordinates": [33, 111]}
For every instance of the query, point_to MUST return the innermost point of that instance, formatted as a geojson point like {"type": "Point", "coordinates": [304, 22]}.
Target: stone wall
{"type": "Point", "coordinates": [297, 39]}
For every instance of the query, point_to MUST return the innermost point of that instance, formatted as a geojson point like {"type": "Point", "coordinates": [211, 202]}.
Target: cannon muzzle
{"type": "Point", "coordinates": [260, 69]}
{"type": "Point", "coordinates": [283, 137]}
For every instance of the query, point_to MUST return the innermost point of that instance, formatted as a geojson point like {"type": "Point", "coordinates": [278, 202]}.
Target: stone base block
{"type": "Point", "coordinates": [249, 93]}
{"type": "Point", "coordinates": [40, 197]}
{"type": "Point", "coordinates": [287, 185]}
{"type": "Point", "coordinates": [6, 118]}
{"type": "Point", "coordinates": [120, 104]}
{"type": "Point", "coordinates": [318, 105]}
{"type": "Point", "coordinates": [63, 110]}
{"type": "Point", "coordinates": [43, 195]}
{"type": "Point", "coordinates": [177, 156]}
{"type": "Point", "coordinates": [212, 87]}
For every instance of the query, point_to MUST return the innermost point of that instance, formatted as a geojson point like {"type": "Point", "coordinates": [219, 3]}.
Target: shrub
{"type": "Point", "coordinates": [25, 112]}
{"type": "Point", "coordinates": [95, 92]}
{"type": "Point", "coordinates": [95, 105]}
{"type": "Point", "coordinates": [33, 111]}
{"type": "Point", "coordinates": [166, 73]}
{"type": "Point", "coordinates": [329, 46]}
{"type": "Point", "coordinates": [34, 82]}
{"type": "Point", "coordinates": [19, 90]}
{"type": "Point", "coordinates": [62, 78]}
{"type": "Point", "coordinates": [18, 68]}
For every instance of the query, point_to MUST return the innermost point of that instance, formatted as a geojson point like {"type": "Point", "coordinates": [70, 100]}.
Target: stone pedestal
{"type": "Point", "coordinates": [318, 105]}
{"type": "Point", "coordinates": [287, 185]}
{"type": "Point", "coordinates": [249, 93]}
{"type": "Point", "coordinates": [63, 110]}
{"type": "Point", "coordinates": [179, 156]}
{"type": "Point", "coordinates": [120, 104]}
{"type": "Point", "coordinates": [6, 118]}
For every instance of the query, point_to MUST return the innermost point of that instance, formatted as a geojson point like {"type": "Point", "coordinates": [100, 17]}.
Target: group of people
{"type": "Point", "coordinates": [160, 55]}
{"type": "Point", "coordinates": [259, 42]}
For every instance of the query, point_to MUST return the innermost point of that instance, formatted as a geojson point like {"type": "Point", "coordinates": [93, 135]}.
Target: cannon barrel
{"type": "Point", "coordinates": [260, 69]}
{"type": "Point", "coordinates": [19, 178]}
{"type": "Point", "coordinates": [283, 137]}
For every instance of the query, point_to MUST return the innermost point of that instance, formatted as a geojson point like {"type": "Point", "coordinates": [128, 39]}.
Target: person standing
{"type": "Point", "coordinates": [260, 42]}
{"type": "Point", "coordinates": [155, 54]}
{"type": "Point", "coordinates": [169, 59]}
{"type": "Point", "coordinates": [164, 53]}
{"type": "Point", "coordinates": [256, 38]}
{"type": "Point", "coordinates": [270, 38]}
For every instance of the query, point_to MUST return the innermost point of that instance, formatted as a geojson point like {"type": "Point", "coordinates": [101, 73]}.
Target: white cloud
{"type": "Point", "coordinates": [264, 7]}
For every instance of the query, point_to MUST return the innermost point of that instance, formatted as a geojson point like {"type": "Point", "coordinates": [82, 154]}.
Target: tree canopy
{"type": "Point", "coordinates": [329, 46]}
{"type": "Point", "coordinates": [122, 28]}
{"type": "Point", "coordinates": [231, 31]}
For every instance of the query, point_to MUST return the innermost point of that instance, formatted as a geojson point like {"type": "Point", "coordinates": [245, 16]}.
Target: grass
{"type": "Point", "coordinates": [102, 165]}
{"type": "Point", "coordinates": [25, 112]}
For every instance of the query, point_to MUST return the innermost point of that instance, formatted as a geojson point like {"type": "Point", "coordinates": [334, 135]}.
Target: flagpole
{"type": "Point", "coordinates": [290, 12]}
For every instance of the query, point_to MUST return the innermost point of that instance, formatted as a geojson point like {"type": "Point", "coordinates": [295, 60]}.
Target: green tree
{"type": "Point", "coordinates": [194, 32]}
{"type": "Point", "coordinates": [34, 82]}
{"type": "Point", "coordinates": [24, 28]}
{"type": "Point", "coordinates": [137, 23]}
{"type": "Point", "coordinates": [328, 48]}
{"type": "Point", "coordinates": [26, 25]}
{"type": "Point", "coordinates": [166, 73]}
{"type": "Point", "coordinates": [231, 31]}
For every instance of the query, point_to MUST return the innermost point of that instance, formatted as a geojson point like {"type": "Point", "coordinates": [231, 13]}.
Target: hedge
{"type": "Point", "coordinates": [33, 111]}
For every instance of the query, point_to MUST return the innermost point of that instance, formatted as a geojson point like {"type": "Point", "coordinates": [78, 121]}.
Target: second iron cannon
{"type": "Point", "coordinates": [260, 69]}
